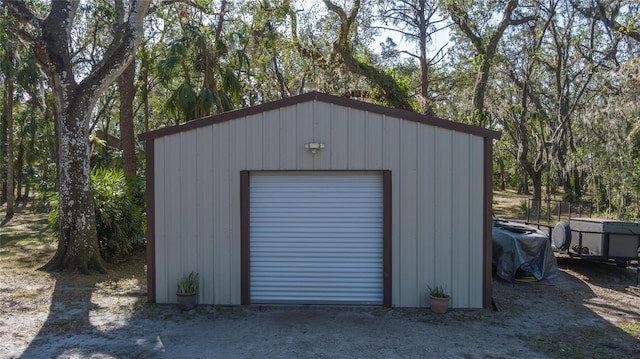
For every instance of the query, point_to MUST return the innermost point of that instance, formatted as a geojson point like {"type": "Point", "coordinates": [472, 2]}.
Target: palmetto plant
{"type": "Point", "coordinates": [119, 212]}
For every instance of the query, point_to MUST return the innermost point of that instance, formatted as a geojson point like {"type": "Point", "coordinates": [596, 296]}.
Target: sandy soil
{"type": "Point", "coordinates": [569, 318]}
{"type": "Point", "coordinates": [589, 310]}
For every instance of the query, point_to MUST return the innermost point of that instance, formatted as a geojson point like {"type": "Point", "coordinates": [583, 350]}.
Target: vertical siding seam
{"type": "Point", "coordinates": [216, 245]}
{"type": "Point", "coordinates": [214, 281]}
{"type": "Point", "coordinates": [228, 237]}
{"type": "Point", "coordinates": [400, 213]}
{"type": "Point", "coordinates": [451, 218]}
{"type": "Point", "coordinates": [180, 184]}
{"type": "Point", "coordinates": [434, 154]}
{"type": "Point", "coordinates": [364, 142]}
{"type": "Point", "coordinates": [349, 136]}
{"type": "Point", "coordinates": [436, 149]}
{"type": "Point", "coordinates": [244, 164]}
{"type": "Point", "coordinates": [332, 125]}
{"type": "Point", "coordinates": [314, 115]}
{"type": "Point", "coordinates": [263, 136]}
{"type": "Point", "coordinates": [417, 214]}
{"type": "Point", "coordinates": [470, 215]}
{"type": "Point", "coordinates": [297, 146]}
{"type": "Point", "coordinates": [197, 229]}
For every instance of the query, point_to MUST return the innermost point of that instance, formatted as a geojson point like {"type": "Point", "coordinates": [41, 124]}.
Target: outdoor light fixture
{"type": "Point", "coordinates": [314, 147]}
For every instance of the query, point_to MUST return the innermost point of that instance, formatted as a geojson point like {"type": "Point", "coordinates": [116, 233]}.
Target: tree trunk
{"type": "Point", "coordinates": [73, 103]}
{"type": "Point", "coordinates": [524, 182]}
{"type": "Point", "coordinates": [3, 148]}
{"type": "Point", "coordinates": [144, 68]}
{"type": "Point", "coordinates": [77, 237]}
{"type": "Point", "coordinates": [19, 170]}
{"type": "Point", "coordinates": [486, 46]}
{"type": "Point", "coordinates": [423, 29]}
{"type": "Point", "coordinates": [30, 149]}
{"type": "Point", "coordinates": [10, 155]}
{"type": "Point", "coordinates": [126, 87]}
{"type": "Point", "coordinates": [577, 184]}
{"type": "Point", "coordinates": [479, 89]}
{"type": "Point", "coordinates": [536, 178]}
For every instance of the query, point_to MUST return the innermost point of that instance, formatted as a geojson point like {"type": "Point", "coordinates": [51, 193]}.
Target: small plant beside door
{"type": "Point", "coordinates": [187, 292]}
{"type": "Point", "coordinates": [438, 299]}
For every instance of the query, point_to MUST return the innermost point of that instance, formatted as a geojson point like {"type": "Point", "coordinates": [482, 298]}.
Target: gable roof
{"type": "Point", "coordinates": [326, 98]}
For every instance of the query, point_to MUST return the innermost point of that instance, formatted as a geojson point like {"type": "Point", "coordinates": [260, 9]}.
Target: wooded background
{"type": "Point", "coordinates": [559, 78]}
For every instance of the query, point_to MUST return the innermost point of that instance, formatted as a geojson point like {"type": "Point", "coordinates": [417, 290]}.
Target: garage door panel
{"type": "Point", "coordinates": [316, 238]}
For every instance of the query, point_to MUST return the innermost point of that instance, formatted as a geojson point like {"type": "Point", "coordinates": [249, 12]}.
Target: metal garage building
{"type": "Point", "coordinates": [320, 199]}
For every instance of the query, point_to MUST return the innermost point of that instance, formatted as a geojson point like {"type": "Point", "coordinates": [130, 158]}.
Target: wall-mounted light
{"type": "Point", "coordinates": [314, 147]}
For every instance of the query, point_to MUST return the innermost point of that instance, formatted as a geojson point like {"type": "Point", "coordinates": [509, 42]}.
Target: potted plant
{"type": "Point", "coordinates": [188, 291]}
{"type": "Point", "coordinates": [438, 299]}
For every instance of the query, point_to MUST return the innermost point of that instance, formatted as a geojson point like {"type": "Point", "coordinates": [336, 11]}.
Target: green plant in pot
{"type": "Point", "coordinates": [187, 292]}
{"type": "Point", "coordinates": [438, 299]}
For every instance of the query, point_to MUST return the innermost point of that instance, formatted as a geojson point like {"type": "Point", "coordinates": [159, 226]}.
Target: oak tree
{"type": "Point", "coordinates": [76, 89]}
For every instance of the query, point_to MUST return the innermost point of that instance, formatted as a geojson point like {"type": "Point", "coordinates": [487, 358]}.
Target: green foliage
{"type": "Point", "coordinates": [438, 291]}
{"type": "Point", "coordinates": [478, 118]}
{"type": "Point", "coordinates": [569, 196]}
{"type": "Point", "coordinates": [119, 209]}
{"type": "Point", "coordinates": [523, 207]}
{"type": "Point", "coordinates": [188, 284]}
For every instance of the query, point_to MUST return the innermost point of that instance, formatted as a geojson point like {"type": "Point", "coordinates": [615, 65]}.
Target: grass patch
{"type": "Point", "coordinates": [577, 343]}
{"type": "Point", "coordinates": [631, 328]}
{"type": "Point", "coordinates": [26, 244]}
{"type": "Point", "coordinates": [509, 204]}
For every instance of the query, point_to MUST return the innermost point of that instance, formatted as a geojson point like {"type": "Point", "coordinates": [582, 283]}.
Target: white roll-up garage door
{"type": "Point", "coordinates": [316, 237]}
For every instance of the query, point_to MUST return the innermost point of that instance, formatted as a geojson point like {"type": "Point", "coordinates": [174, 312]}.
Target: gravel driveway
{"type": "Point", "coordinates": [572, 316]}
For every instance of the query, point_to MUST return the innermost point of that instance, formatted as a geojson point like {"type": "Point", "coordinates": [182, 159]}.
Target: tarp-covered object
{"type": "Point", "coordinates": [518, 246]}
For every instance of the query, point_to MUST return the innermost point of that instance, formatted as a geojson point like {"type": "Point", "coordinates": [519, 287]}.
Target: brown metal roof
{"type": "Point", "coordinates": [326, 98]}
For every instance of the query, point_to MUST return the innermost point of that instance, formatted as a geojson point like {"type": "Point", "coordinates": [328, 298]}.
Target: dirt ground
{"type": "Point", "coordinates": [588, 311]}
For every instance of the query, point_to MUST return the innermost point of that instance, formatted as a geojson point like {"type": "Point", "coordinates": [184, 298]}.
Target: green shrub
{"type": "Point", "coordinates": [119, 207]}
{"type": "Point", "coordinates": [524, 205]}
{"type": "Point", "coordinates": [188, 284]}
{"type": "Point", "coordinates": [438, 292]}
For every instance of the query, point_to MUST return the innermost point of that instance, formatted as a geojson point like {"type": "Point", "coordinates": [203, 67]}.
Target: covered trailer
{"type": "Point", "coordinates": [599, 239]}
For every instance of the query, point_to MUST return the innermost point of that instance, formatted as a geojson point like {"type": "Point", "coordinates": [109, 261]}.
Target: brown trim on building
{"type": "Point", "coordinates": [487, 197]}
{"type": "Point", "coordinates": [149, 195]}
{"type": "Point", "coordinates": [322, 97]}
{"type": "Point", "coordinates": [244, 237]}
{"type": "Point", "coordinates": [387, 220]}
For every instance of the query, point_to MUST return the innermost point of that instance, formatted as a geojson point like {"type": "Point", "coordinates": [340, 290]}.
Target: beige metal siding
{"type": "Point", "coordinates": [426, 191]}
{"type": "Point", "coordinates": [436, 185]}
{"type": "Point", "coordinates": [204, 209]}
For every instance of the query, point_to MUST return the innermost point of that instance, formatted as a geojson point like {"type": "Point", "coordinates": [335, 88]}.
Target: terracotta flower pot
{"type": "Point", "coordinates": [439, 305]}
{"type": "Point", "coordinates": [187, 301]}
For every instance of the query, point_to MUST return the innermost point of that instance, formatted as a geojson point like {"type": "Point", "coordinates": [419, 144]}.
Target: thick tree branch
{"type": "Point", "coordinates": [23, 35]}
{"type": "Point", "coordinates": [193, 4]}
{"type": "Point", "coordinates": [120, 50]}
{"type": "Point", "coordinates": [599, 12]}
{"type": "Point", "coordinates": [461, 18]}
{"type": "Point", "coordinates": [22, 13]}
{"type": "Point", "coordinates": [310, 53]}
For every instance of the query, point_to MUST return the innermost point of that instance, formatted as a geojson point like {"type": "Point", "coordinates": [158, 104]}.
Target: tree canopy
{"type": "Point", "coordinates": [559, 78]}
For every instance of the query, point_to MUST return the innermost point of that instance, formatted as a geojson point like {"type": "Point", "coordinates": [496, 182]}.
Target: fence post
{"type": "Point", "coordinates": [548, 210]}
